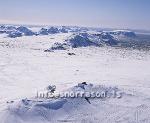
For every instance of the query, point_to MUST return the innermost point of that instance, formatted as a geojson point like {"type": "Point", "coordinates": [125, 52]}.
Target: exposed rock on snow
{"type": "Point", "coordinates": [70, 54]}
{"type": "Point", "coordinates": [80, 40]}
{"type": "Point", "coordinates": [57, 46]}
{"type": "Point", "coordinates": [10, 30]}
{"type": "Point", "coordinates": [14, 34]}
{"type": "Point", "coordinates": [106, 36]}
{"type": "Point", "coordinates": [75, 41]}
{"type": "Point", "coordinates": [7, 28]}
{"type": "Point", "coordinates": [84, 40]}
{"type": "Point", "coordinates": [43, 31]}
{"type": "Point", "coordinates": [63, 30]}
{"type": "Point", "coordinates": [25, 31]}
{"type": "Point", "coordinates": [106, 39]}
{"type": "Point", "coordinates": [51, 30]}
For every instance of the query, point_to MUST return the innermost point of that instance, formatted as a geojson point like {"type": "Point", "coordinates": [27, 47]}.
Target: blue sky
{"type": "Point", "coordinates": [96, 13]}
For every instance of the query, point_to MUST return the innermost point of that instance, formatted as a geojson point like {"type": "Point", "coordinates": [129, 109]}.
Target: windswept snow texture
{"type": "Point", "coordinates": [103, 58]}
{"type": "Point", "coordinates": [110, 109]}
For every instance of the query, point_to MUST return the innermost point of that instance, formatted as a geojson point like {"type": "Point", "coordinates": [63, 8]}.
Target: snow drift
{"type": "Point", "coordinates": [105, 109]}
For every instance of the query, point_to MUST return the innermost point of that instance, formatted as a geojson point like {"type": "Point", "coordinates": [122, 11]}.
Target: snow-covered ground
{"type": "Point", "coordinates": [25, 68]}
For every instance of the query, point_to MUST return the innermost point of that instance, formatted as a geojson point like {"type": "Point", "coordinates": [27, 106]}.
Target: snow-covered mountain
{"type": "Point", "coordinates": [51, 30]}
{"type": "Point", "coordinates": [25, 31]}
{"type": "Point", "coordinates": [84, 40]}
{"type": "Point", "coordinates": [79, 36]}
{"type": "Point", "coordinates": [125, 33]}
{"type": "Point", "coordinates": [17, 31]}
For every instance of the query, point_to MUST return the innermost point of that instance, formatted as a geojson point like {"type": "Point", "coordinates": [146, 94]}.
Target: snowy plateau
{"type": "Point", "coordinates": [32, 58]}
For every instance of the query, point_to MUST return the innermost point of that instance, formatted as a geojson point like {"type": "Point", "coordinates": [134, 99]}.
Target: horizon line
{"type": "Point", "coordinates": [71, 25]}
